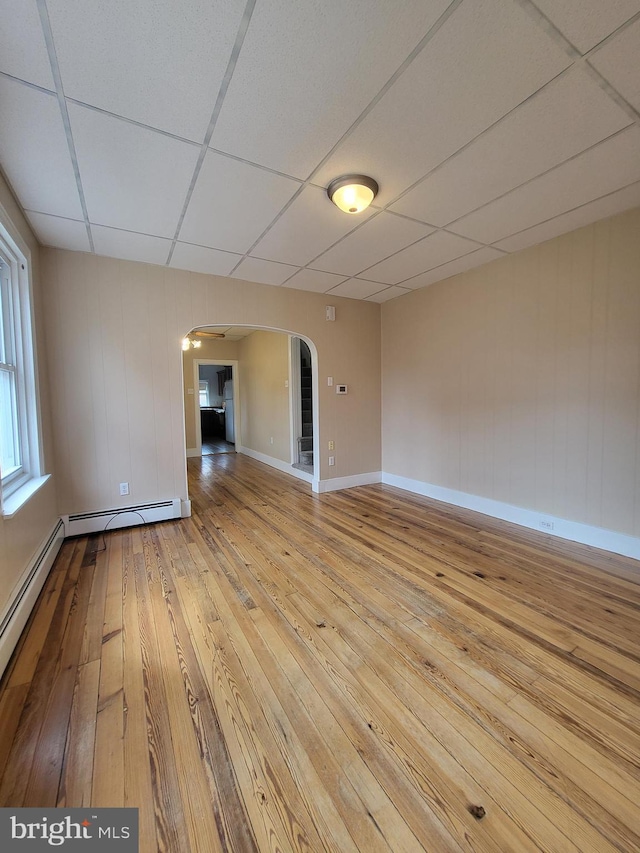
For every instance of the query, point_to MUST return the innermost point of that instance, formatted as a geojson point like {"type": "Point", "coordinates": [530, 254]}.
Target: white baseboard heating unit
{"type": "Point", "coordinates": [16, 614]}
{"type": "Point", "coordinates": [124, 516]}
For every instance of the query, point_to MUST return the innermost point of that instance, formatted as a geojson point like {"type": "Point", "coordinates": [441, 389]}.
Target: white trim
{"type": "Point", "coordinates": [319, 486]}
{"type": "Point", "coordinates": [16, 500]}
{"type": "Point", "coordinates": [27, 590]}
{"type": "Point", "coordinates": [295, 404]}
{"type": "Point", "coordinates": [304, 475]}
{"type": "Point", "coordinates": [193, 451]}
{"type": "Point", "coordinates": [285, 467]}
{"type": "Point", "coordinates": [574, 531]}
{"type": "Point", "coordinates": [125, 516]}
{"type": "Point", "coordinates": [295, 418]}
{"type": "Point", "coordinates": [350, 482]}
{"type": "Point", "coordinates": [18, 255]}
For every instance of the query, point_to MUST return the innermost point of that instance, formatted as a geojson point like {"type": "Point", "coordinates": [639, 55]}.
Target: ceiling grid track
{"type": "Point", "coordinates": [577, 58]}
{"type": "Point", "coordinates": [583, 59]}
{"type": "Point", "coordinates": [226, 80]}
{"type": "Point", "coordinates": [378, 97]}
{"type": "Point", "coordinates": [474, 101]}
{"type": "Point", "coordinates": [57, 79]}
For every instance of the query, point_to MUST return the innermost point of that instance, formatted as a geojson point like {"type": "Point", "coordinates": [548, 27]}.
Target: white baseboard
{"type": "Point", "coordinates": [193, 451]}
{"type": "Point", "coordinates": [286, 467]}
{"type": "Point", "coordinates": [598, 537]}
{"type": "Point", "coordinates": [125, 516]}
{"type": "Point", "coordinates": [17, 612]}
{"type": "Point", "coordinates": [337, 483]}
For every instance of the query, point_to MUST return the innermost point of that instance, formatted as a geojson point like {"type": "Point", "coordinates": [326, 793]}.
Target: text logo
{"type": "Point", "coordinates": [32, 830]}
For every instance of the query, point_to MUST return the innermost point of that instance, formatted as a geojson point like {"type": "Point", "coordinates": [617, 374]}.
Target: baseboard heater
{"type": "Point", "coordinates": [17, 613]}
{"type": "Point", "coordinates": [124, 516]}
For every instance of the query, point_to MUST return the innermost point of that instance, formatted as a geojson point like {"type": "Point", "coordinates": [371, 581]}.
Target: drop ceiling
{"type": "Point", "coordinates": [202, 135]}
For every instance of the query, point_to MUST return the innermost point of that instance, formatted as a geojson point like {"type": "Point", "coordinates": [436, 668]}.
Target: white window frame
{"type": "Point", "coordinates": [203, 388]}
{"type": "Point", "coordinates": [17, 331]}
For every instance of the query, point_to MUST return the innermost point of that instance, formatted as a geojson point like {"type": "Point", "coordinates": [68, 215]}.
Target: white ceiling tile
{"type": "Point", "coordinates": [231, 333]}
{"type": "Point", "coordinates": [601, 208]}
{"type": "Point", "coordinates": [233, 203]}
{"type": "Point", "coordinates": [132, 177]}
{"type": "Point", "coordinates": [603, 169]}
{"type": "Point", "coordinates": [587, 22]}
{"type": "Point", "coordinates": [202, 259]}
{"type": "Point", "coordinates": [307, 70]}
{"type": "Point", "coordinates": [619, 62]}
{"type": "Point", "coordinates": [235, 331]}
{"type": "Point", "coordinates": [566, 117]}
{"type": "Point", "coordinates": [151, 60]}
{"type": "Point", "coordinates": [130, 246]}
{"type": "Point", "coordinates": [265, 272]}
{"type": "Point", "coordinates": [320, 282]}
{"type": "Point", "coordinates": [23, 52]}
{"type": "Point", "coordinates": [487, 58]}
{"type": "Point", "coordinates": [34, 151]}
{"type": "Point", "coordinates": [59, 232]}
{"type": "Point", "coordinates": [378, 238]}
{"type": "Point", "coordinates": [434, 250]}
{"type": "Point", "coordinates": [387, 294]}
{"type": "Point", "coordinates": [501, 140]}
{"type": "Point", "coordinates": [357, 288]}
{"type": "Point", "coordinates": [474, 259]}
{"type": "Point", "coordinates": [309, 226]}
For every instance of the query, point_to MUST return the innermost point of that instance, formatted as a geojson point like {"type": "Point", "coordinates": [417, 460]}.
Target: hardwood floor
{"type": "Point", "coordinates": [363, 670]}
{"type": "Point", "coordinates": [211, 445]}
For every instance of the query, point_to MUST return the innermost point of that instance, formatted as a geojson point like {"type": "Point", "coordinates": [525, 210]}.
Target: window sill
{"type": "Point", "coordinates": [14, 503]}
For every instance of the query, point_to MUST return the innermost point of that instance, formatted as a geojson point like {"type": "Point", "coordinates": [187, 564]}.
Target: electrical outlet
{"type": "Point", "coordinates": [271, 440]}
{"type": "Point", "coordinates": [124, 488]}
{"type": "Point", "coordinates": [329, 381]}
{"type": "Point", "coordinates": [332, 445]}
{"type": "Point", "coordinates": [546, 524]}
{"type": "Point", "coordinates": [332, 460]}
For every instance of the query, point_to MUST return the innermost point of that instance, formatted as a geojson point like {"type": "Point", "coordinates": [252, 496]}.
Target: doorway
{"type": "Point", "coordinates": [268, 420]}
{"type": "Point", "coordinates": [302, 381]}
{"type": "Point", "coordinates": [215, 406]}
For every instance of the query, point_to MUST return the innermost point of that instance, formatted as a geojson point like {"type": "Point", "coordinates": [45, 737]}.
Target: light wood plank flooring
{"type": "Point", "coordinates": [363, 670]}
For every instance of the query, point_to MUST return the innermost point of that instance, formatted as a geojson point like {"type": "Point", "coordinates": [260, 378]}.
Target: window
{"type": "Point", "coordinates": [204, 393]}
{"type": "Point", "coordinates": [19, 456]}
{"type": "Point", "coordinates": [10, 455]}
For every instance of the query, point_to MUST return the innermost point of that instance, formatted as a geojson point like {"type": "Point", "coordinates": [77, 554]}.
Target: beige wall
{"type": "Point", "coordinates": [22, 536]}
{"type": "Point", "coordinates": [264, 398]}
{"type": "Point", "coordinates": [114, 330]}
{"type": "Point", "coordinates": [220, 350]}
{"type": "Point", "coordinates": [520, 381]}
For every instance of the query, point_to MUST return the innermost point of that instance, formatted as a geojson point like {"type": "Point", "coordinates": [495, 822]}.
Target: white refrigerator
{"type": "Point", "coordinates": [228, 411]}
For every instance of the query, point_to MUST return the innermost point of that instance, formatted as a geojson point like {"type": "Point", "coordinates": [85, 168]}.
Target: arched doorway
{"type": "Point", "coordinates": [272, 411]}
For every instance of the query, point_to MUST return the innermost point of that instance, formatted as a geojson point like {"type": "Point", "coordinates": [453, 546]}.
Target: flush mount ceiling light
{"type": "Point", "coordinates": [352, 193]}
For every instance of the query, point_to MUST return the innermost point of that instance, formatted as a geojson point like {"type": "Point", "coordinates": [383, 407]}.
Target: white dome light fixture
{"type": "Point", "coordinates": [352, 193]}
